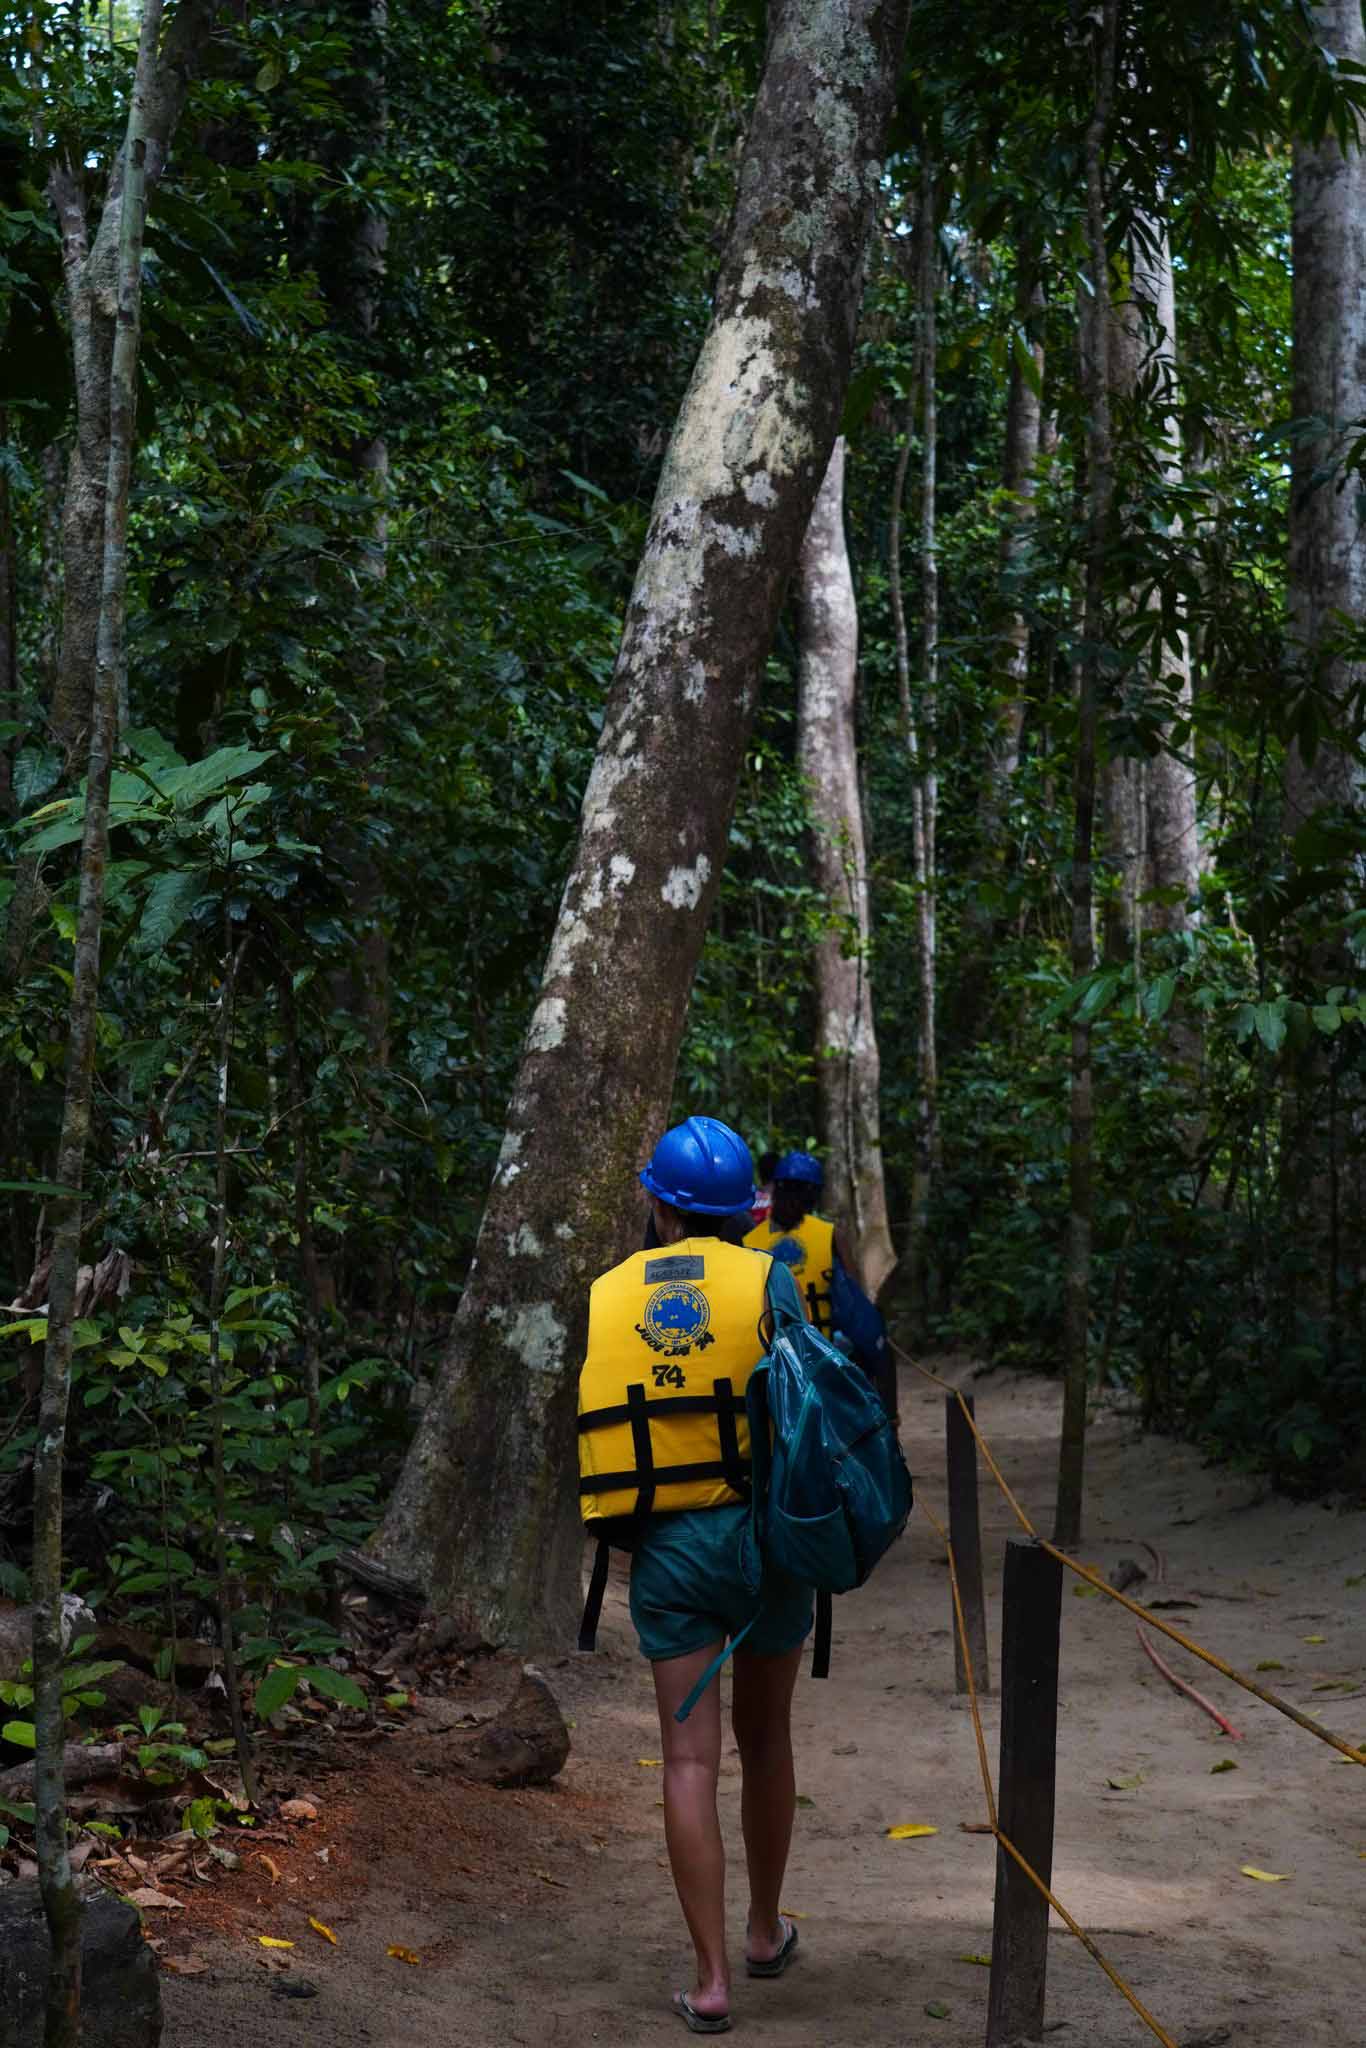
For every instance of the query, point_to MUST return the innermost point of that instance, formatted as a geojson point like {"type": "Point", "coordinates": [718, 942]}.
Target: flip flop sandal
{"type": "Point", "coordinates": [775, 1965]}
{"type": "Point", "coordinates": [699, 2022]}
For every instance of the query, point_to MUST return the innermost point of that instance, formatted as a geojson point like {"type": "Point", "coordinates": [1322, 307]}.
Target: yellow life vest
{"type": "Point", "coordinates": [808, 1252]}
{"type": "Point", "coordinates": [673, 1336]}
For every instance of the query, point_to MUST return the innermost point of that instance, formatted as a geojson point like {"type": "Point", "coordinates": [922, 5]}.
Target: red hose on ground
{"type": "Point", "coordinates": [1188, 1690]}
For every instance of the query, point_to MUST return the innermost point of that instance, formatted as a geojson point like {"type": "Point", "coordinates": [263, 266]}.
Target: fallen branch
{"type": "Point", "coordinates": [80, 1763]}
{"type": "Point", "coordinates": [1189, 1690]}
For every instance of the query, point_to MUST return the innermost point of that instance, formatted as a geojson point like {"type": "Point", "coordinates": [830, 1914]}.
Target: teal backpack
{"type": "Point", "coordinates": [831, 1489]}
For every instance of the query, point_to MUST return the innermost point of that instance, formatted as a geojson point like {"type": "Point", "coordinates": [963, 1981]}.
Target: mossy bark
{"type": "Point", "coordinates": [485, 1511]}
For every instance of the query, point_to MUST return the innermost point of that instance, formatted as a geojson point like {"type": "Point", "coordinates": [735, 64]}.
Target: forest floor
{"type": "Point", "coordinates": [547, 1917]}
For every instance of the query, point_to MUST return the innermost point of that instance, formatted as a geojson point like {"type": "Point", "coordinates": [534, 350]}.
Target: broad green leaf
{"type": "Point", "coordinates": [170, 900]}
{"type": "Point", "coordinates": [21, 1733]}
{"type": "Point", "coordinates": [1270, 1022]}
{"type": "Point", "coordinates": [335, 1685]}
{"type": "Point", "coordinates": [276, 1688]}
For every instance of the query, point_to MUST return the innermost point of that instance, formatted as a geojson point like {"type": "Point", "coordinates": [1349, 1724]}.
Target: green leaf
{"type": "Point", "coordinates": [278, 1686]}
{"type": "Point", "coordinates": [936, 2009]}
{"type": "Point", "coordinates": [1225, 1763]}
{"type": "Point", "coordinates": [1157, 996]}
{"type": "Point", "coordinates": [335, 1685]}
{"type": "Point", "coordinates": [1269, 1019]}
{"type": "Point", "coordinates": [581, 483]}
{"type": "Point", "coordinates": [21, 1733]}
{"type": "Point", "coordinates": [170, 900]}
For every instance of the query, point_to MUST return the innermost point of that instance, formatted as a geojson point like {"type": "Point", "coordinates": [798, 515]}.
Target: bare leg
{"type": "Point", "coordinates": [761, 1715]}
{"type": "Point", "coordinates": [692, 1761]}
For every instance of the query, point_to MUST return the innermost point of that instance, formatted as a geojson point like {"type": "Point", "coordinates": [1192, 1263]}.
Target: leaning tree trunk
{"type": "Point", "coordinates": [827, 633]}
{"type": "Point", "coordinates": [1327, 587]}
{"type": "Point", "coordinates": [1100, 495]}
{"type": "Point", "coordinates": [484, 1511]}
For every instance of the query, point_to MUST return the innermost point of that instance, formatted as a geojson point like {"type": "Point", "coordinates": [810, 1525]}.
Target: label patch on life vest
{"type": "Point", "coordinates": [682, 1266]}
{"type": "Point", "coordinates": [789, 1251]}
{"type": "Point", "coordinates": [676, 1318]}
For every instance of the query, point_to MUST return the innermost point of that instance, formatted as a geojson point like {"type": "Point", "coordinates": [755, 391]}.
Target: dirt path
{"type": "Point", "coordinates": [575, 1937]}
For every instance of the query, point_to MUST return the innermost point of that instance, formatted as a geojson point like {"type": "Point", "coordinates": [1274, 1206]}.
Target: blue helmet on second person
{"type": "Point", "coordinates": [702, 1165]}
{"type": "Point", "coordinates": [802, 1167]}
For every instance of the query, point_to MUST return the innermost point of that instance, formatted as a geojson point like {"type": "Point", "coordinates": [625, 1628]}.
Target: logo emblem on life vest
{"type": "Point", "coordinates": [676, 1319]}
{"type": "Point", "coordinates": [789, 1251]}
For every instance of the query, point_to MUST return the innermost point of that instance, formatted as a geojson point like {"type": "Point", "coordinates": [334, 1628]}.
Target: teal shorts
{"type": "Point", "coordinates": [693, 1582]}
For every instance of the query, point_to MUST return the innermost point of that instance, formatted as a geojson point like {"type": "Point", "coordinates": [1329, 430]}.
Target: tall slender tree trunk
{"type": "Point", "coordinates": [1173, 823]}
{"type": "Point", "coordinates": [918, 731]}
{"type": "Point", "coordinates": [9, 631]}
{"type": "Point", "coordinates": [1024, 422]}
{"type": "Point", "coordinates": [1325, 1110]}
{"type": "Point", "coordinates": [89, 273]}
{"type": "Point", "coordinates": [1100, 495]}
{"type": "Point", "coordinates": [358, 293]}
{"type": "Point", "coordinates": [1151, 825]}
{"type": "Point", "coordinates": [484, 1511]}
{"type": "Point", "coordinates": [827, 632]}
{"type": "Point", "coordinates": [128, 207]}
{"type": "Point", "coordinates": [1019, 466]}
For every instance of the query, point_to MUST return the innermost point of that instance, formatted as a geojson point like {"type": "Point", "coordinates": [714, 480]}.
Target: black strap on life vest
{"type": "Point", "coordinates": [592, 1606]}
{"type": "Point", "coordinates": [725, 1404]}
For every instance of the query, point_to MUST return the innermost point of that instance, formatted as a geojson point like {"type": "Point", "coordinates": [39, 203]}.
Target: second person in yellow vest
{"type": "Point", "coordinates": [793, 1234]}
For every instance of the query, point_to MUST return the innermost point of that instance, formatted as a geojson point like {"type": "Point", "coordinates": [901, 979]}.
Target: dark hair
{"type": "Point", "coordinates": [730, 1229]}
{"type": "Point", "coordinates": [768, 1163]}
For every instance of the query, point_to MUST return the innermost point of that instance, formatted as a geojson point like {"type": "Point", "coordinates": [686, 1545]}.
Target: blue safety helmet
{"type": "Point", "coordinates": [801, 1167]}
{"type": "Point", "coordinates": [702, 1165]}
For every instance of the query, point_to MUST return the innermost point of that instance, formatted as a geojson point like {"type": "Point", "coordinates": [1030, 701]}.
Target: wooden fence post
{"type": "Point", "coordinates": [1025, 1795]}
{"type": "Point", "coordinates": [965, 1534]}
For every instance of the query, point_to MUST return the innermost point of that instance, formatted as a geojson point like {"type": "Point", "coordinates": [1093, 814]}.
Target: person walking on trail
{"type": "Point", "coordinates": [673, 1336]}
{"type": "Point", "coordinates": [763, 1194]}
{"type": "Point", "coordinates": [814, 1251]}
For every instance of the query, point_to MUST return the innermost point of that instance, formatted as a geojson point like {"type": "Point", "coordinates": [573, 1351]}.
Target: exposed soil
{"type": "Point", "coordinates": [547, 1917]}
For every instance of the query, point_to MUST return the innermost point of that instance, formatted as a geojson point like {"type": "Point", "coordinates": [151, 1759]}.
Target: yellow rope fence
{"type": "Point", "coordinates": [1154, 2026]}
{"type": "Point", "coordinates": [1150, 1620]}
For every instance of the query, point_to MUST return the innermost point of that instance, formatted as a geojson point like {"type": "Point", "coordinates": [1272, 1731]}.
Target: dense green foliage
{"type": "Point", "coordinates": [364, 699]}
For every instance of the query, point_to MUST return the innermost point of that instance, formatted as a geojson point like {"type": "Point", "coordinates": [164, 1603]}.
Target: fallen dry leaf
{"type": "Point", "coordinates": [911, 1831]}
{"type": "Point", "coordinates": [1225, 1763]}
{"type": "Point", "coordinates": [186, 1966]}
{"type": "Point", "coordinates": [1314, 1639]}
{"type": "Point", "coordinates": [402, 1955]}
{"type": "Point", "coordinates": [1270, 1664]}
{"type": "Point", "coordinates": [546, 1878]}
{"type": "Point", "coordinates": [985, 1961]}
{"type": "Point", "coordinates": [790, 1913]}
{"type": "Point", "coordinates": [1265, 1876]}
{"type": "Point", "coordinates": [273, 1941]}
{"type": "Point", "coordinates": [146, 1896]}
{"type": "Point", "coordinates": [650, 1763]}
{"type": "Point", "coordinates": [975, 1827]}
{"type": "Point", "coordinates": [299, 1809]}
{"type": "Point", "coordinates": [325, 1932]}
{"type": "Point", "coordinates": [271, 1865]}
